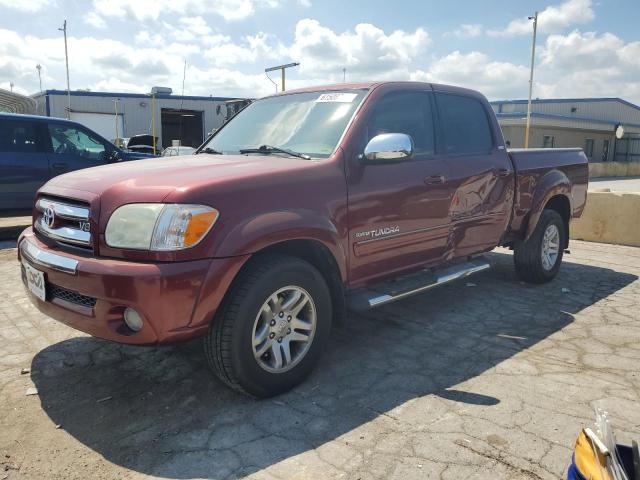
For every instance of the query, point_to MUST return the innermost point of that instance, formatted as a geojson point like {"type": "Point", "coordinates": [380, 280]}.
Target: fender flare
{"type": "Point", "coordinates": [270, 228]}
{"type": "Point", "coordinates": [552, 184]}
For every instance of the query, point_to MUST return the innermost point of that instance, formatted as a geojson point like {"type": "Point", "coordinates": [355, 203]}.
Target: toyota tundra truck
{"type": "Point", "coordinates": [305, 205]}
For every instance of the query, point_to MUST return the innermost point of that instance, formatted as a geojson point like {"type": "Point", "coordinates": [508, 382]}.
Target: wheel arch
{"type": "Point", "coordinates": [553, 192]}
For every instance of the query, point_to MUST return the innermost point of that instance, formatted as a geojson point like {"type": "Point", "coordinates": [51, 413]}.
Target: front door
{"type": "Point", "coordinates": [481, 175]}
{"type": "Point", "coordinates": [398, 212]}
{"type": "Point", "coordinates": [74, 148]}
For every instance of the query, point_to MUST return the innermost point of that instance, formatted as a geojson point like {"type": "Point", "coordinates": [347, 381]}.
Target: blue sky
{"type": "Point", "coordinates": [585, 48]}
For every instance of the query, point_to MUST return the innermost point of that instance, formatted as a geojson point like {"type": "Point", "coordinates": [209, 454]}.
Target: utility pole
{"type": "Point", "coordinates": [533, 58]}
{"type": "Point", "coordinates": [66, 57]}
{"type": "Point", "coordinates": [344, 75]}
{"type": "Point", "coordinates": [11, 86]}
{"type": "Point", "coordinates": [39, 67]}
{"type": "Point", "coordinates": [282, 68]}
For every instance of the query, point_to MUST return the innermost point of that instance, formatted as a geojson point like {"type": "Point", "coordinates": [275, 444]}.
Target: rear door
{"type": "Point", "coordinates": [73, 148]}
{"type": "Point", "coordinates": [481, 175]}
{"type": "Point", "coordinates": [398, 216]}
{"type": "Point", "coordinates": [23, 163]}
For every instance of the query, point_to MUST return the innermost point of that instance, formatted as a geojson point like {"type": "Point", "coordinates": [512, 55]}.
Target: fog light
{"type": "Point", "coordinates": [132, 319]}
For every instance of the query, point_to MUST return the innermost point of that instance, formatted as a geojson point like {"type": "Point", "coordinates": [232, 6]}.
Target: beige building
{"type": "Point", "coordinates": [588, 123]}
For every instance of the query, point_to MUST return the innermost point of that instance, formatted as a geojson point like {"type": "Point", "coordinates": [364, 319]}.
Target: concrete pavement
{"type": "Point", "coordinates": [488, 378]}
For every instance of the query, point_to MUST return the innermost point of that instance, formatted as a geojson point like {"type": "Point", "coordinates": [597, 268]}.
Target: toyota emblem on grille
{"type": "Point", "coordinates": [49, 217]}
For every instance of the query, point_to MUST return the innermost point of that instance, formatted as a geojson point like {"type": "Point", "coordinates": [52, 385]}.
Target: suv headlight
{"type": "Point", "coordinates": [159, 226]}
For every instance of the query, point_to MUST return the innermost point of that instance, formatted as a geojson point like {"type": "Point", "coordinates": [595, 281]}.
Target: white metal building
{"type": "Point", "coordinates": [185, 118]}
{"type": "Point", "coordinates": [588, 123]}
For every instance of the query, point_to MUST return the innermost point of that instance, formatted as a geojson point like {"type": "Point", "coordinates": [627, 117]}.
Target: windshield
{"type": "Point", "coordinates": [308, 123]}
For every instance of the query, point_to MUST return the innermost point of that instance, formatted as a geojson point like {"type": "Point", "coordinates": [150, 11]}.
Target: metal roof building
{"type": "Point", "coordinates": [588, 123]}
{"type": "Point", "coordinates": [187, 119]}
{"type": "Point", "coordinates": [15, 103]}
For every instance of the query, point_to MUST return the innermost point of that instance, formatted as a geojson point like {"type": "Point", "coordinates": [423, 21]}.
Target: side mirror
{"type": "Point", "coordinates": [387, 148]}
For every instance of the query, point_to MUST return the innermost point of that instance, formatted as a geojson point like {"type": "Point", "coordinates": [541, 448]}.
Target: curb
{"type": "Point", "coordinates": [609, 217]}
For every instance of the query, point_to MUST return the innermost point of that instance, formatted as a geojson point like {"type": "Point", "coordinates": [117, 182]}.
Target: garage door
{"type": "Point", "coordinates": [103, 123]}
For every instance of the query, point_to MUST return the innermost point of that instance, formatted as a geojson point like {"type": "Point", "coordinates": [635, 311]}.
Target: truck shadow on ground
{"type": "Point", "coordinates": [159, 411]}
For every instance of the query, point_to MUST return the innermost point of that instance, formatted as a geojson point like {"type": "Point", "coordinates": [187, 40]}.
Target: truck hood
{"type": "Point", "coordinates": [153, 179]}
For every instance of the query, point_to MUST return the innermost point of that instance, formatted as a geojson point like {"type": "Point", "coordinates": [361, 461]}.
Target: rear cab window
{"type": "Point", "coordinates": [464, 125]}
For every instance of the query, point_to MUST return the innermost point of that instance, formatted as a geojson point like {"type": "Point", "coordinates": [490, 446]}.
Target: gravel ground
{"type": "Point", "coordinates": [489, 378]}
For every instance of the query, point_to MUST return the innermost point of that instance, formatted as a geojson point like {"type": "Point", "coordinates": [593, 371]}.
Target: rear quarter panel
{"type": "Point", "coordinates": [542, 174]}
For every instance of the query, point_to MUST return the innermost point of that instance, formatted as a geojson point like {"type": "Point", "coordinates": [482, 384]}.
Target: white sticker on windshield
{"type": "Point", "coordinates": [339, 97]}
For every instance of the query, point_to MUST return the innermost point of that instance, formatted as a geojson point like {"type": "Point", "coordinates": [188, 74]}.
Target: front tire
{"type": "Point", "coordinates": [538, 259]}
{"type": "Point", "coordinates": [272, 327]}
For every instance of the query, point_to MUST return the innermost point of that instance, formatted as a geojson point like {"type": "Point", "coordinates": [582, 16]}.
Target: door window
{"type": "Point", "coordinates": [18, 137]}
{"type": "Point", "coordinates": [405, 112]}
{"type": "Point", "coordinates": [465, 125]}
{"type": "Point", "coordinates": [66, 139]}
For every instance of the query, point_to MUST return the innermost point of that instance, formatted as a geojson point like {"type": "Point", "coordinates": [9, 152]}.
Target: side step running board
{"type": "Point", "coordinates": [407, 285]}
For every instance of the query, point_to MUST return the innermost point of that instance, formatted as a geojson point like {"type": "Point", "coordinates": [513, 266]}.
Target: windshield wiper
{"type": "Point", "coordinates": [266, 149]}
{"type": "Point", "coordinates": [209, 150]}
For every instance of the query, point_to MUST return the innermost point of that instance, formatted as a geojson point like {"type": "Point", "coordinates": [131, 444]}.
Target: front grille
{"type": "Point", "coordinates": [70, 296]}
{"type": "Point", "coordinates": [63, 221]}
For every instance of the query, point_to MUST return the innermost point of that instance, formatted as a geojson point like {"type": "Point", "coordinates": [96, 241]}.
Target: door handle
{"type": "Point", "coordinates": [502, 172]}
{"type": "Point", "coordinates": [60, 166]}
{"type": "Point", "coordinates": [434, 180]}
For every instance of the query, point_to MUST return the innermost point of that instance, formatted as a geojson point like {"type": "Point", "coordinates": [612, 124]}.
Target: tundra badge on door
{"type": "Point", "coordinates": [378, 232]}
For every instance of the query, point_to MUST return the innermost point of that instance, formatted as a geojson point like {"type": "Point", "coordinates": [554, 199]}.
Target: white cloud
{"type": "Point", "coordinates": [367, 51]}
{"type": "Point", "coordinates": [196, 25]}
{"type": "Point", "coordinates": [554, 18]}
{"type": "Point", "coordinates": [476, 70]}
{"type": "Point", "coordinates": [151, 10]}
{"type": "Point", "coordinates": [588, 64]}
{"type": "Point", "coordinates": [466, 30]}
{"type": "Point", "coordinates": [27, 5]}
{"type": "Point", "coordinates": [95, 20]}
{"type": "Point", "coordinates": [305, 3]}
{"type": "Point", "coordinates": [223, 51]}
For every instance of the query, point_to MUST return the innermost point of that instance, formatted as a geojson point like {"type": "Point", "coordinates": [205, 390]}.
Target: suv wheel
{"type": "Point", "coordinates": [538, 259]}
{"type": "Point", "coordinates": [271, 328]}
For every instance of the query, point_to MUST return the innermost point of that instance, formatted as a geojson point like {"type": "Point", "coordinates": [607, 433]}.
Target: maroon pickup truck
{"type": "Point", "coordinates": [304, 205]}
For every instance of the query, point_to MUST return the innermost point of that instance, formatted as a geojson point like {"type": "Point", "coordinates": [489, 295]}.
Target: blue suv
{"type": "Point", "coordinates": [35, 149]}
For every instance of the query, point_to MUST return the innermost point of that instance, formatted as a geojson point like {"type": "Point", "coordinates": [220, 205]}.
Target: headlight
{"type": "Point", "coordinates": [159, 226]}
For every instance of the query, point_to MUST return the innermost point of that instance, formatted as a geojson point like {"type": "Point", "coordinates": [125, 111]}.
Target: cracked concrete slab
{"type": "Point", "coordinates": [494, 380]}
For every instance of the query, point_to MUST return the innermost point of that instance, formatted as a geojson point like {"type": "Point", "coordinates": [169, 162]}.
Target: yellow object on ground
{"type": "Point", "coordinates": [591, 463]}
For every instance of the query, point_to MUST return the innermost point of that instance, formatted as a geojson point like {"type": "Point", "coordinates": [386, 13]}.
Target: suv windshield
{"type": "Point", "coordinates": [307, 123]}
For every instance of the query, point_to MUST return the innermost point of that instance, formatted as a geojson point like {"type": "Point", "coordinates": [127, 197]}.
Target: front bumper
{"type": "Point", "coordinates": [175, 299]}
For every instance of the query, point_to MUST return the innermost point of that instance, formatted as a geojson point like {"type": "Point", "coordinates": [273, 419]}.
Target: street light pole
{"type": "Point", "coordinates": [533, 58]}
{"type": "Point", "coordinates": [39, 67]}
{"type": "Point", "coordinates": [66, 57]}
{"type": "Point", "coordinates": [282, 68]}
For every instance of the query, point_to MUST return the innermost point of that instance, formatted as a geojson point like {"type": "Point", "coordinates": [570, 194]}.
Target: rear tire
{"type": "Point", "coordinates": [538, 259]}
{"type": "Point", "coordinates": [264, 316]}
